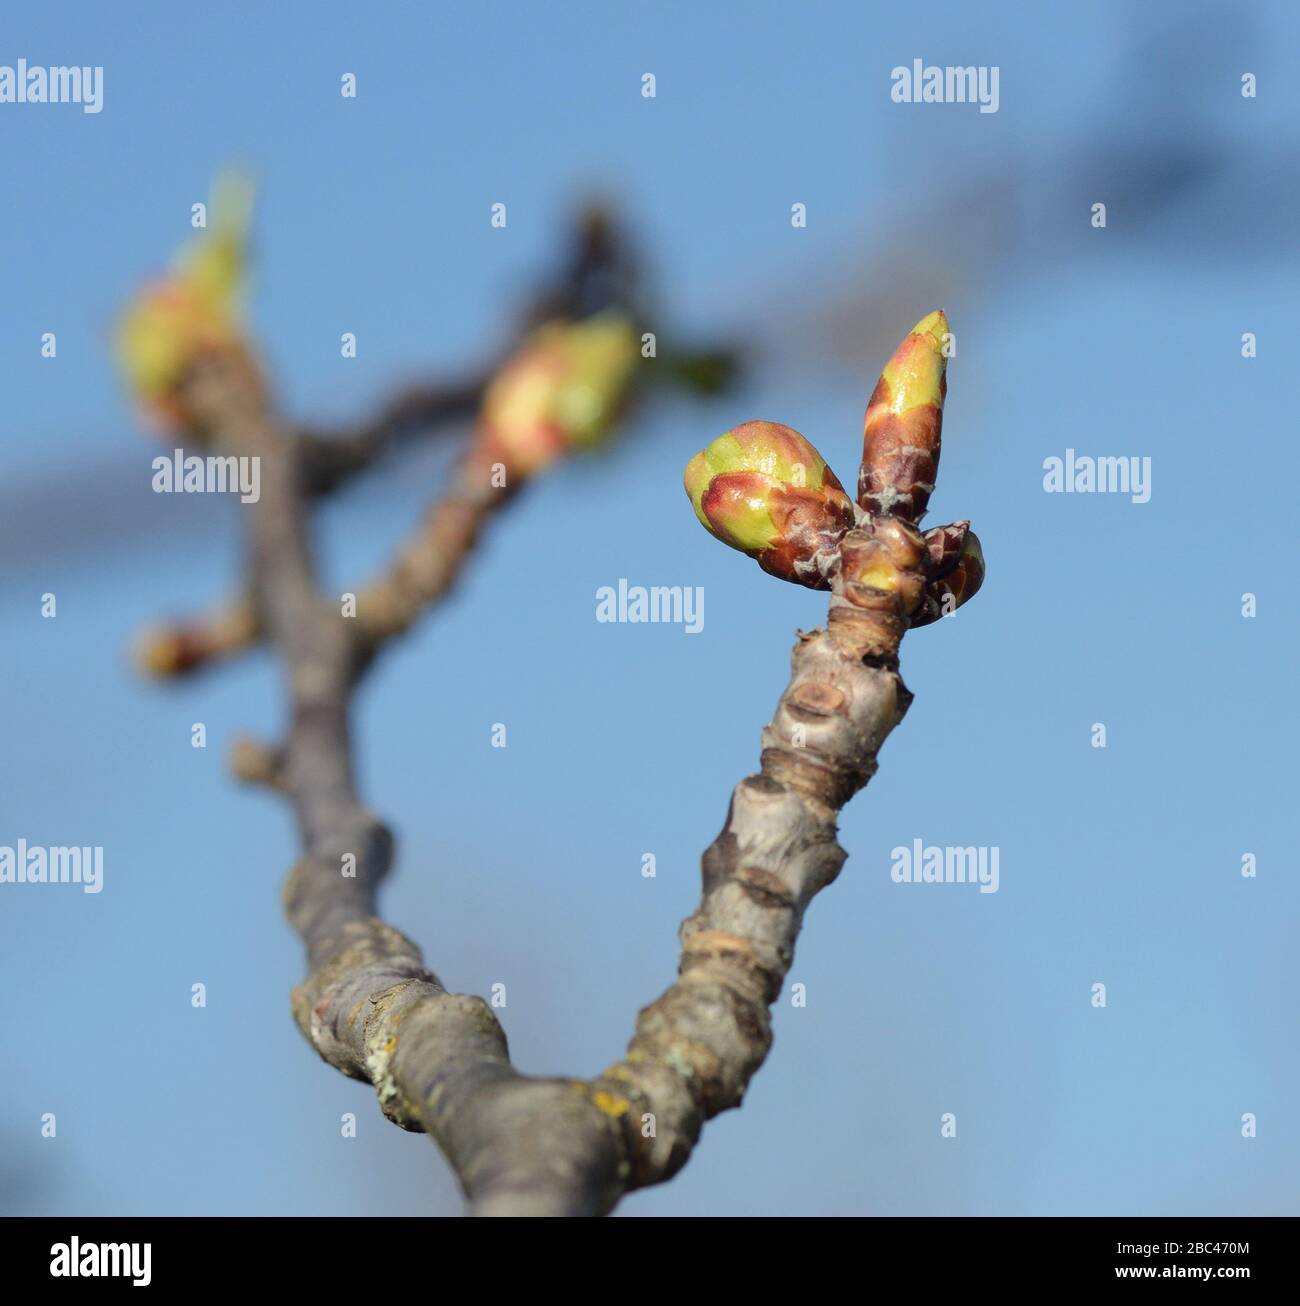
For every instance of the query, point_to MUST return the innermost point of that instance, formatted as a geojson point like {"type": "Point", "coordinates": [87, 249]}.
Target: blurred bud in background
{"type": "Point", "coordinates": [562, 391]}
{"type": "Point", "coordinates": [196, 310]}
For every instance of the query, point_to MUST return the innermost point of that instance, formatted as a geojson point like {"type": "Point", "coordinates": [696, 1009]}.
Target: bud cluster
{"type": "Point", "coordinates": [763, 489]}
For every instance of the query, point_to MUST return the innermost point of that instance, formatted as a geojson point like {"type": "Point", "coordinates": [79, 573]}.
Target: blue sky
{"type": "Point", "coordinates": [522, 866]}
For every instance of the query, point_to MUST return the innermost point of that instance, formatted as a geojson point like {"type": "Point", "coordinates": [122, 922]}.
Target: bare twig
{"type": "Point", "coordinates": [192, 643]}
{"type": "Point", "coordinates": [428, 564]}
{"type": "Point", "coordinates": [332, 458]}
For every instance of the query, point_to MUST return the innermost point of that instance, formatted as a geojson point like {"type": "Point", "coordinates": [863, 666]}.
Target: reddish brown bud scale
{"type": "Point", "coordinates": [958, 585]}
{"type": "Point", "coordinates": [943, 548]}
{"type": "Point", "coordinates": [965, 579]}
{"type": "Point", "coordinates": [809, 524]}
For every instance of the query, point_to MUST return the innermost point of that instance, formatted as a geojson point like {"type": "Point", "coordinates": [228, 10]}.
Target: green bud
{"type": "Point", "coordinates": [765, 490]}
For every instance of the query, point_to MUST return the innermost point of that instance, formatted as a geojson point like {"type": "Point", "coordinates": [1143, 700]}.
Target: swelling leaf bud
{"type": "Point", "coordinates": [765, 490]}
{"type": "Point", "coordinates": [904, 418]}
{"type": "Point", "coordinates": [562, 391]}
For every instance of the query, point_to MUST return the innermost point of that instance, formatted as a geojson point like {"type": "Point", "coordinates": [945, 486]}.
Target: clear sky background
{"type": "Point", "coordinates": [522, 866]}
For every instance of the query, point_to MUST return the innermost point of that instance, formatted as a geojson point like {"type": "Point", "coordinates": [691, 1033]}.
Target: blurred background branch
{"type": "Point", "coordinates": [596, 277]}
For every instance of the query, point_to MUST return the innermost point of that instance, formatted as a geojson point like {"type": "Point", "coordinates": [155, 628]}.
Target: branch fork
{"type": "Point", "coordinates": [439, 1061]}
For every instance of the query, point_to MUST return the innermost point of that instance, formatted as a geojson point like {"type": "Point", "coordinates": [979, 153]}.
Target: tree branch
{"type": "Point", "coordinates": [332, 458]}
{"type": "Point", "coordinates": [439, 1061]}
